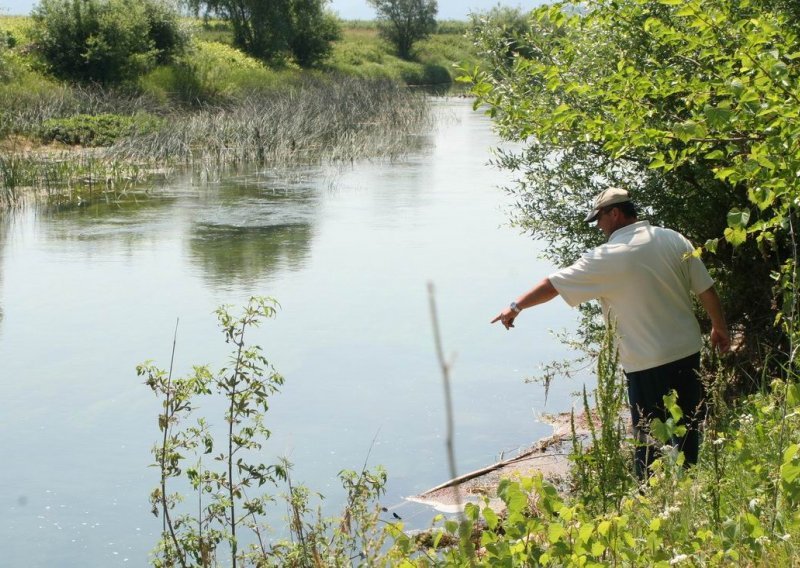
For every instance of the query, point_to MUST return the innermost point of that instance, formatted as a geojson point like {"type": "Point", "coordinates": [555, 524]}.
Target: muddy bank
{"type": "Point", "coordinates": [549, 456]}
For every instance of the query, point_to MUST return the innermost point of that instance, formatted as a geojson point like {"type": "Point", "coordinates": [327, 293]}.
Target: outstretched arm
{"type": "Point", "coordinates": [539, 294]}
{"type": "Point", "coordinates": [719, 329]}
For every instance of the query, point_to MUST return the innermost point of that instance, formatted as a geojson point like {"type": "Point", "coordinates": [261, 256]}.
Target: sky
{"type": "Point", "coordinates": [350, 9]}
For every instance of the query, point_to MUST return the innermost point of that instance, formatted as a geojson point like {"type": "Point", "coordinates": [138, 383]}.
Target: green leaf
{"type": "Point", "coordinates": [585, 532]}
{"type": "Point", "coordinates": [717, 117]}
{"type": "Point", "coordinates": [715, 155]}
{"type": "Point", "coordinates": [749, 96]}
{"type": "Point", "coordinates": [790, 471]}
{"type": "Point", "coordinates": [660, 431]}
{"type": "Point", "coordinates": [793, 395]}
{"type": "Point", "coordinates": [604, 526]}
{"type": "Point", "coordinates": [689, 130]}
{"type": "Point", "coordinates": [762, 197]}
{"type": "Point", "coordinates": [671, 404]}
{"type": "Point", "coordinates": [491, 518]}
{"type": "Point", "coordinates": [555, 532]}
{"type": "Point", "coordinates": [711, 245]}
{"type": "Point", "coordinates": [738, 218]}
{"type": "Point", "coordinates": [735, 236]}
{"type": "Point", "coordinates": [598, 549]}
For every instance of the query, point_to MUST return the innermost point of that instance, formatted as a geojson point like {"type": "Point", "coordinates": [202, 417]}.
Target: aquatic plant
{"type": "Point", "coordinates": [336, 120]}
{"type": "Point", "coordinates": [320, 119]}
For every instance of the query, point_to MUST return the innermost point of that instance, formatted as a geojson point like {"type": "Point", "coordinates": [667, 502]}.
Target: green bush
{"type": "Point", "coordinates": [208, 72]}
{"type": "Point", "coordinates": [105, 41]}
{"type": "Point", "coordinates": [313, 33]}
{"type": "Point", "coordinates": [169, 38]}
{"type": "Point", "coordinates": [98, 130]}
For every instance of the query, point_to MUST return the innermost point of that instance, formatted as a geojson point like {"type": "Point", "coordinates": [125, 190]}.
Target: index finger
{"type": "Point", "coordinates": [496, 319]}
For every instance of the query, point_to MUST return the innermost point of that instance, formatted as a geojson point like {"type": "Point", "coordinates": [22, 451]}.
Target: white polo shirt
{"type": "Point", "coordinates": [642, 277]}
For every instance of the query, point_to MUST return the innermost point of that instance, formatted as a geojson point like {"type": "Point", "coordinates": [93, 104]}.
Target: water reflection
{"type": "Point", "coordinates": [3, 240]}
{"type": "Point", "coordinates": [230, 255]}
{"type": "Point", "coordinates": [255, 225]}
{"type": "Point", "coordinates": [128, 223]}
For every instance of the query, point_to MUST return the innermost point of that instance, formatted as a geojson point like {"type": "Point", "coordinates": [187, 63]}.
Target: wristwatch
{"type": "Point", "coordinates": [515, 307]}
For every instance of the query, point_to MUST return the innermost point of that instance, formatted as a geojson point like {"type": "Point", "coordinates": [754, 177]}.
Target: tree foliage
{"type": "Point", "coordinates": [300, 29]}
{"type": "Point", "coordinates": [691, 104]}
{"type": "Point", "coordinates": [105, 41]}
{"type": "Point", "coordinates": [404, 22]}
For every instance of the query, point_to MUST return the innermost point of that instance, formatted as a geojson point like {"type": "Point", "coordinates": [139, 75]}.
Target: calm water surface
{"type": "Point", "coordinates": [87, 293]}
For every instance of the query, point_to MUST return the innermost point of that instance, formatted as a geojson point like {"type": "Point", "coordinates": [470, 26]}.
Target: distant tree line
{"type": "Point", "coordinates": [113, 41]}
{"type": "Point", "coordinates": [300, 29]}
{"type": "Point", "coordinates": [404, 22]}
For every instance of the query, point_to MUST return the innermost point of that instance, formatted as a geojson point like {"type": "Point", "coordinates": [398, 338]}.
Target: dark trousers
{"type": "Point", "coordinates": [646, 390]}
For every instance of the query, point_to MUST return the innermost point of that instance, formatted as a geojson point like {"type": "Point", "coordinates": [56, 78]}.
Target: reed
{"type": "Point", "coordinates": [319, 119]}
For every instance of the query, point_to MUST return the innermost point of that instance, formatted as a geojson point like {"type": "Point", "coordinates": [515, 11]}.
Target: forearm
{"type": "Point", "coordinates": [713, 307]}
{"type": "Point", "coordinates": [719, 328]}
{"type": "Point", "coordinates": [539, 294]}
{"type": "Point", "coordinates": [543, 292]}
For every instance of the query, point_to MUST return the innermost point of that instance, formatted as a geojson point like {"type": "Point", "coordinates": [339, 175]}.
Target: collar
{"type": "Point", "coordinates": [621, 232]}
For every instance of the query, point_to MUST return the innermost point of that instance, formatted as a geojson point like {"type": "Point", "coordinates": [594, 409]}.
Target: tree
{"type": "Point", "coordinates": [313, 32]}
{"type": "Point", "coordinates": [105, 41]}
{"type": "Point", "coordinates": [277, 29]}
{"type": "Point", "coordinates": [691, 104]}
{"type": "Point", "coordinates": [403, 22]}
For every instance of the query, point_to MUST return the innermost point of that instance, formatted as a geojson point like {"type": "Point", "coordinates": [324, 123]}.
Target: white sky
{"type": "Point", "coordinates": [350, 9]}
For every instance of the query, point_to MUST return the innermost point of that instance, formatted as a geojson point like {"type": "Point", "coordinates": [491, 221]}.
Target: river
{"type": "Point", "coordinates": [89, 292]}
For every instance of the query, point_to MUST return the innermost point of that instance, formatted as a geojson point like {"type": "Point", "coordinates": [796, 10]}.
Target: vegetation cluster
{"type": "Point", "coordinates": [98, 94]}
{"type": "Point", "coordinates": [693, 105]}
{"type": "Point", "coordinates": [738, 505]}
{"type": "Point", "coordinates": [318, 118]}
{"type": "Point", "coordinates": [403, 22]}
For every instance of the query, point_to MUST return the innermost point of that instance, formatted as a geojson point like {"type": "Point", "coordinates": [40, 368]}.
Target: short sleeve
{"type": "Point", "coordinates": [699, 278]}
{"type": "Point", "coordinates": [586, 279]}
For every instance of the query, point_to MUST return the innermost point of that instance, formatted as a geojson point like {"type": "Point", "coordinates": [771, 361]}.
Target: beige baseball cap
{"type": "Point", "coordinates": [609, 196]}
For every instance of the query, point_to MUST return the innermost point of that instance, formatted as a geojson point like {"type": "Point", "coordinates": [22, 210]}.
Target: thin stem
{"type": "Point", "coordinates": [167, 521]}
{"type": "Point", "coordinates": [792, 329]}
{"type": "Point", "coordinates": [448, 402]}
{"type": "Point", "coordinates": [231, 420]}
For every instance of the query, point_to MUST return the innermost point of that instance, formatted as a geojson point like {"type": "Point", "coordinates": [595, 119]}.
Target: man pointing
{"type": "Point", "coordinates": [644, 278]}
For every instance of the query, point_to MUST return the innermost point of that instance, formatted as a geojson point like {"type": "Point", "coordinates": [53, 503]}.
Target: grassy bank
{"type": "Point", "coordinates": [214, 105]}
{"type": "Point", "coordinates": [78, 145]}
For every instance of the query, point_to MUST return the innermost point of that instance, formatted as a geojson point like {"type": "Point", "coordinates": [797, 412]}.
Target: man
{"type": "Point", "coordinates": [643, 277]}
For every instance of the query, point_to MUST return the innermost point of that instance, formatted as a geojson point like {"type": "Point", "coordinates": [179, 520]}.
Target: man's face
{"type": "Point", "coordinates": [608, 220]}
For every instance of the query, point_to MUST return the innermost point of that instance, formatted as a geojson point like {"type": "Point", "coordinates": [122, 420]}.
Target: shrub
{"type": "Point", "coordinates": [99, 130]}
{"type": "Point", "coordinates": [168, 37]}
{"type": "Point", "coordinates": [313, 33]}
{"type": "Point", "coordinates": [104, 41]}
{"type": "Point", "coordinates": [208, 72]}
{"type": "Point", "coordinates": [277, 31]}
{"type": "Point", "coordinates": [404, 22]}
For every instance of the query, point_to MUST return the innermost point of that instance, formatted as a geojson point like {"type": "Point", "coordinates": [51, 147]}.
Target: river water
{"type": "Point", "coordinates": [88, 292]}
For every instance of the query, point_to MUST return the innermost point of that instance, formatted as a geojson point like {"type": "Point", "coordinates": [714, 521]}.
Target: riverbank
{"type": "Point", "coordinates": [214, 106]}
{"type": "Point", "coordinates": [325, 118]}
{"type": "Point", "coordinates": [548, 457]}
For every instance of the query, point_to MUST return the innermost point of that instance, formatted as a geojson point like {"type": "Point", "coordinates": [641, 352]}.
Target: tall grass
{"type": "Point", "coordinates": [322, 119]}
{"type": "Point", "coordinates": [66, 176]}
{"type": "Point", "coordinates": [319, 119]}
